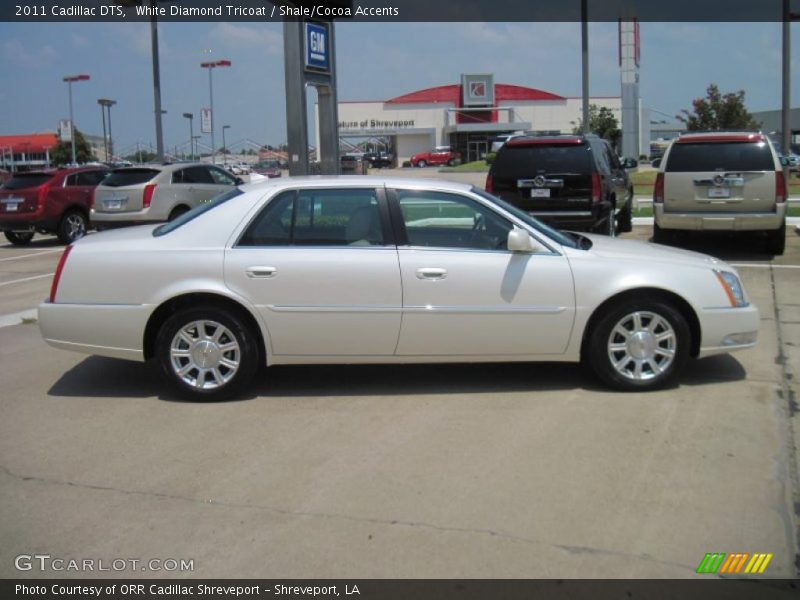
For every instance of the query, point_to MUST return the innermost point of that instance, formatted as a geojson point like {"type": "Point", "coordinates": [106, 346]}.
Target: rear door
{"type": "Point", "coordinates": [123, 190]}
{"type": "Point", "coordinates": [540, 178]}
{"type": "Point", "coordinates": [719, 176]}
{"type": "Point", "coordinates": [80, 186]}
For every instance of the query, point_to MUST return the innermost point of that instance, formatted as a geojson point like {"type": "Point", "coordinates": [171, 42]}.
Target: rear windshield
{"type": "Point", "coordinates": [513, 161]}
{"type": "Point", "coordinates": [720, 156]}
{"type": "Point", "coordinates": [21, 181]}
{"type": "Point", "coordinates": [124, 177]}
{"type": "Point", "coordinates": [195, 212]}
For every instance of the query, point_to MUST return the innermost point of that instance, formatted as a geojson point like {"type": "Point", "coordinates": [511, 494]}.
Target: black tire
{"type": "Point", "coordinates": [19, 238]}
{"type": "Point", "coordinates": [660, 236]}
{"type": "Point", "coordinates": [451, 162]}
{"type": "Point", "coordinates": [177, 212]}
{"type": "Point", "coordinates": [666, 318]}
{"type": "Point", "coordinates": [72, 226]}
{"type": "Point", "coordinates": [625, 217]}
{"type": "Point", "coordinates": [231, 382]}
{"type": "Point", "coordinates": [608, 226]}
{"type": "Point", "coordinates": [421, 164]}
{"type": "Point", "coordinates": [776, 240]}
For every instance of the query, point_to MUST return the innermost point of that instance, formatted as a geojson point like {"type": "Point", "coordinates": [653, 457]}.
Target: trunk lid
{"type": "Point", "coordinates": [21, 193]}
{"type": "Point", "coordinates": [123, 190]}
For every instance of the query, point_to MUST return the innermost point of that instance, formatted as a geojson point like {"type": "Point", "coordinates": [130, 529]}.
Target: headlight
{"type": "Point", "coordinates": [733, 288]}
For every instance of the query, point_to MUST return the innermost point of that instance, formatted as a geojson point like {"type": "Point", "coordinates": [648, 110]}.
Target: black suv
{"type": "Point", "coordinates": [378, 160]}
{"type": "Point", "coordinates": [569, 181]}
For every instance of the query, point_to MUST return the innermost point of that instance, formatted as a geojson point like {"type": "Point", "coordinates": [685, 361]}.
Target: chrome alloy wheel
{"type": "Point", "coordinates": [204, 355]}
{"type": "Point", "coordinates": [76, 226]}
{"type": "Point", "coordinates": [642, 346]}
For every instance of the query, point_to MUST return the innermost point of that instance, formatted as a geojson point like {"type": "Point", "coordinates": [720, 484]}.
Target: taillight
{"type": "Point", "coordinates": [658, 190]}
{"type": "Point", "coordinates": [91, 198]}
{"type": "Point", "coordinates": [489, 183]}
{"type": "Point", "coordinates": [41, 194]}
{"type": "Point", "coordinates": [59, 269]}
{"type": "Point", "coordinates": [597, 187]}
{"type": "Point", "coordinates": [780, 187]}
{"type": "Point", "coordinates": [148, 194]}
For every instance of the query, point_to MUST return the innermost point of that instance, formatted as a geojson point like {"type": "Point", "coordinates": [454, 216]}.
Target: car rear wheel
{"type": "Point", "coordinates": [19, 238]}
{"type": "Point", "coordinates": [451, 162]}
{"type": "Point", "coordinates": [638, 345]}
{"type": "Point", "coordinates": [207, 353]}
{"type": "Point", "coordinates": [72, 227]}
{"type": "Point", "coordinates": [659, 235]}
{"type": "Point", "coordinates": [608, 226]}
{"type": "Point", "coordinates": [422, 164]}
{"type": "Point", "coordinates": [177, 212]}
{"type": "Point", "coordinates": [625, 217]}
{"type": "Point", "coordinates": [776, 240]}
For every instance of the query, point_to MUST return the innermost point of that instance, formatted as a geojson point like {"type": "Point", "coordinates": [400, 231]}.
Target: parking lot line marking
{"type": "Point", "coordinates": [26, 279]}
{"type": "Point", "coordinates": [17, 317]}
{"type": "Point", "coordinates": [763, 266]}
{"type": "Point", "coordinates": [30, 255]}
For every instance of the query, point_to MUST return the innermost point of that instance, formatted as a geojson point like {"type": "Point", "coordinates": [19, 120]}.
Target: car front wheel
{"type": "Point", "coordinates": [422, 164]}
{"type": "Point", "coordinates": [19, 238]}
{"type": "Point", "coordinates": [638, 345]}
{"type": "Point", "coordinates": [207, 353]}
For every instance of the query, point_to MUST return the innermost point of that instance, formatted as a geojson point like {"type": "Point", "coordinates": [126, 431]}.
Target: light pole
{"type": "Point", "coordinates": [224, 146]}
{"type": "Point", "coordinates": [211, 66]}
{"type": "Point", "coordinates": [106, 104]}
{"type": "Point", "coordinates": [190, 116]}
{"type": "Point", "coordinates": [70, 80]}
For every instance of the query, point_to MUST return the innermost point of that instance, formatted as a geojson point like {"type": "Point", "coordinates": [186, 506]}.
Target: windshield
{"type": "Point", "coordinates": [195, 212]}
{"type": "Point", "coordinates": [553, 234]}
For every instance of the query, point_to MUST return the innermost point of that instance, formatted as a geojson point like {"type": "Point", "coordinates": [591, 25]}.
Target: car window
{"type": "Point", "coordinates": [221, 177]}
{"type": "Point", "coordinates": [719, 156]}
{"type": "Point", "coordinates": [611, 157]}
{"type": "Point", "coordinates": [601, 158]}
{"type": "Point", "coordinates": [90, 178]}
{"type": "Point", "coordinates": [517, 161]}
{"type": "Point", "coordinates": [22, 181]}
{"type": "Point", "coordinates": [198, 210]}
{"type": "Point", "coordinates": [443, 220]}
{"type": "Point", "coordinates": [71, 180]}
{"type": "Point", "coordinates": [340, 217]}
{"type": "Point", "coordinates": [192, 175]}
{"type": "Point", "coordinates": [126, 177]}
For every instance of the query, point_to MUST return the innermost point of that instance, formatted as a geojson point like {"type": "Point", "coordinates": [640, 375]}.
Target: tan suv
{"type": "Point", "coordinates": [153, 193]}
{"type": "Point", "coordinates": [721, 182]}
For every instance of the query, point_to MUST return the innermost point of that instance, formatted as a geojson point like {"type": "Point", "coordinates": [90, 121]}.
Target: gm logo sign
{"type": "Point", "coordinates": [317, 47]}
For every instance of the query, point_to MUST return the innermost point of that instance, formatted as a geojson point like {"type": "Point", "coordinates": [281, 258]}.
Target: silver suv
{"type": "Point", "coordinates": [721, 181]}
{"type": "Point", "coordinates": [153, 193]}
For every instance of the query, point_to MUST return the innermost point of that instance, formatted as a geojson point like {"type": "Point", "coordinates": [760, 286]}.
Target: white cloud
{"type": "Point", "coordinates": [79, 40]}
{"type": "Point", "coordinates": [16, 52]}
{"type": "Point", "coordinates": [246, 36]}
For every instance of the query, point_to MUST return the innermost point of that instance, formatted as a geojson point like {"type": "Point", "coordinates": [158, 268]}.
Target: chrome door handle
{"type": "Point", "coordinates": [431, 273]}
{"type": "Point", "coordinates": [260, 272]}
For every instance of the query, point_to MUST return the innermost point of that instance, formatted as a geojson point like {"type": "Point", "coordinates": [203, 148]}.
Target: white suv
{"type": "Point", "coordinates": [721, 181]}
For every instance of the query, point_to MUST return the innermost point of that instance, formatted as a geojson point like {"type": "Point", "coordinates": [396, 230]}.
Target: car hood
{"type": "Point", "coordinates": [618, 249]}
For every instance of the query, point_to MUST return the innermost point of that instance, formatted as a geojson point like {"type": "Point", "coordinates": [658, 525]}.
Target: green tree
{"type": "Point", "coordinates": [718, 111]}
{"type": "Point", "coordinates": [61, 154]}
{"type": "Point", "coordinates": [602, 122]}
{"type": "Point", "coordinates": [143, 156]}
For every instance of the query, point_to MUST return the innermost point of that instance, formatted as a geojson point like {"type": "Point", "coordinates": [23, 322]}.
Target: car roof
{"type": "Point", "coordinates": [162, 166]}
{"type": "Point", "coordinates": [342, 181]}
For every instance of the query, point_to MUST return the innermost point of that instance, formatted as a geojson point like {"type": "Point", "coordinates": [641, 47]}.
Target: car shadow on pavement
{"type": "Point", "coordinates": [34, 244]}
{"type": "Point", "coordinates": [111, 378]}
{"type": "Point", "coordinates": [724, 245]}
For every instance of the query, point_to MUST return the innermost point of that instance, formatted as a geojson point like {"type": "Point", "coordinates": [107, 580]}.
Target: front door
{"type": "Point", "coordinates": [465, 294]}
{"type": "Point", "coordinates": [476, 150]}
{"type": "Point", "coordinates": [321, 268]}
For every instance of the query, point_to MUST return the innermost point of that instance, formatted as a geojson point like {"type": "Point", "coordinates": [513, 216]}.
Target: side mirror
{"type": "Point", "coordinates": [656, 163]}
{"type": "Point", "coordinates": [630, 163]}
{"type": "Point", "coordinates": [520, 240]}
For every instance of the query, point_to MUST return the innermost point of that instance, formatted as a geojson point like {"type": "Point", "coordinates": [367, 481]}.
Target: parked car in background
{"type": "Point", "coordinates": [440, 155]}
{"type": "Point", "coordinates": [152, 193]}
{"type": "Point", "coordinates": [570, 181]}
{"type": "Point", "coordinates": [54, 201]}
{"type": "Point", "coordinates": [386, 270]}
{"type": "Point", "coordinates": [267, 168]}
{"type": "Point", "coordinates": [239, 168]}
{"type": "Point", "coordinates": [498, 141]}
{"type": "Point", "coordinates": [378, 160]}
{"type": "Point", "coordinates": [725, 181]}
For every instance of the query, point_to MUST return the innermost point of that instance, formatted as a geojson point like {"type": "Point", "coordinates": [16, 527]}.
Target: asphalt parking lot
{"type": "Point", "coordinates": [438, 471]}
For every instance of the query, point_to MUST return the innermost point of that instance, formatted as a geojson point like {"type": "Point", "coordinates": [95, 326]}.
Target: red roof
{"type": "Point", "coordinates": [452, 94]}
{"type": "Point", "coordinates": [34, 142]}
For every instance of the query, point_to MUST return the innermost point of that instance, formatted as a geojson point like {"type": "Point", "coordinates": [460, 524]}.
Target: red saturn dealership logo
{"type": "Point", "coordinates": [477, 89]}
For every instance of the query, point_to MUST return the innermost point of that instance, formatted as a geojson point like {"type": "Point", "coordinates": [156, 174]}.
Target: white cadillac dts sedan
{"type": "Point", "coordinates": [382, 270]}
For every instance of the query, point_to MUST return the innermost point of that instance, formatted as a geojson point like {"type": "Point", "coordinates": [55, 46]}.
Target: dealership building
{"type": "Point", "coordinates": [466, 116]}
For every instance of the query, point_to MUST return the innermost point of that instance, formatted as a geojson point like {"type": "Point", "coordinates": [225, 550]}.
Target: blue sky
{"type": "Point", "coordinates": [375, 61]}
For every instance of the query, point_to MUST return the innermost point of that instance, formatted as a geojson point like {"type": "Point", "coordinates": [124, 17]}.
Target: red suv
{"type": "Point", "coordinates": [55, 201]}
{"type": "Point", "coordinates": [441, 155]}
